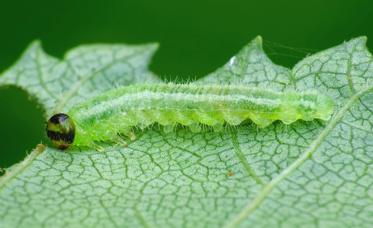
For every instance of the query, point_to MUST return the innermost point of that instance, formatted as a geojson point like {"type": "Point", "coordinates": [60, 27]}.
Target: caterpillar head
{"type": "Point", "coordinates": [61, 130]}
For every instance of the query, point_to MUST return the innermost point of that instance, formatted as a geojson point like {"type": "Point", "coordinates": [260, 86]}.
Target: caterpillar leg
{"type": "Point", "coordinates": [127, 135]}
{"type": "Point", "coordinates": [195, 127]}
{"type": "Point", "coordinates": [132, 135]}
{"type": "Point", "coordinates": [218, 127]}
{"type": "Point", "coordinates": [97, 147]}
{"type": "Point", "coordinates": [169, 128]}
{"type": "Point", "coordinates": [121, 141]}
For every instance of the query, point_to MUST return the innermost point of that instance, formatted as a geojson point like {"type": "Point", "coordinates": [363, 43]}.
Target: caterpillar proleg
{"type": "Point", "coordinates": [118, 111]}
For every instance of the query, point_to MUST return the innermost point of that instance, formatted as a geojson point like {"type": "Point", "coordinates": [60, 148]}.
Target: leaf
{"type": "Point", "coordinates": [308, 174]}
{"type": "Point", "coordinates": [251, 66]}
{"type": "Point", "coordinates": [84, 72]}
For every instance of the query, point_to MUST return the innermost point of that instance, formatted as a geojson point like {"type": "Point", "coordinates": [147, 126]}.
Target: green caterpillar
{"type": "Point", "coordinates": [117, 112]}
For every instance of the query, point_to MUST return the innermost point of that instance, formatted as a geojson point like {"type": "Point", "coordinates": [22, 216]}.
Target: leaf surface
{"type": "Point", "coordinates": [308, 174]}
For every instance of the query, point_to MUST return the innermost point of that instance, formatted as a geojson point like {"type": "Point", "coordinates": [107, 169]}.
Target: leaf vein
{"type": "Point", "coordinates": [242, 159]}
{"type": "Point", "coordinates": [267, 189]}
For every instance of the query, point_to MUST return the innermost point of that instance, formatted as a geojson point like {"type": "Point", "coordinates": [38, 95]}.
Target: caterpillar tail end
{"type": "Point", "coordinates": [325, 109]}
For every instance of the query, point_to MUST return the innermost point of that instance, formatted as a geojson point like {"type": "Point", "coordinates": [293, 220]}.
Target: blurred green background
{"type": "Point", "coordinates": [195, 36]}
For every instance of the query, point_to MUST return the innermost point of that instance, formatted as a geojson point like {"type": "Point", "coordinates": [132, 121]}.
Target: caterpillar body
{"type": "Point", "coordinates": [118, 111]}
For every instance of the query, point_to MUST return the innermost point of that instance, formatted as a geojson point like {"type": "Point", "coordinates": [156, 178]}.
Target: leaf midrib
{"type": "Point", "coordinates": [20, 167]}
{"type": "Point", "coordinates": [251, 206]}
{"type": "Point", "coordinates": [241, 157]}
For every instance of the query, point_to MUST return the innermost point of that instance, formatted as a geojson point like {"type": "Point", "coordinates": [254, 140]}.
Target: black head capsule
{"type": "Point", "coordinates": [61, 130]}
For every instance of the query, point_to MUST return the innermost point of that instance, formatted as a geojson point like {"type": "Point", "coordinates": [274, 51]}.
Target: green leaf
{"type": "Point", "coordinates": [84, 72]}
{"type": "Point", "coordinates": [308, 174]}
{"type": "Point", "coordinates": [251, 66]}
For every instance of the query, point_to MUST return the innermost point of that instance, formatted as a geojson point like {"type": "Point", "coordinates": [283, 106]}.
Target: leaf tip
{"type": "Point", "coordinates": [360, 39]}
{"type": "Point", "coordinates": [363, 40]}
{"type": "Point", "coordinates": [34, 45]}
{"type": "Point", "coordinates": [258, 40]}
{"type": "Point", "coordinates": [154, 46]}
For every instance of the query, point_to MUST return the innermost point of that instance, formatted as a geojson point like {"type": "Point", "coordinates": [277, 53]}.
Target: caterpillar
{"type": "Point", "coordinates": [116, 112]}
